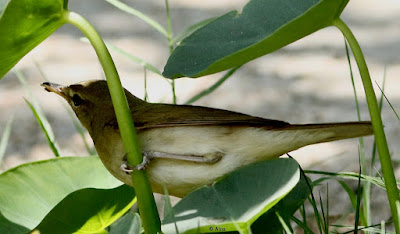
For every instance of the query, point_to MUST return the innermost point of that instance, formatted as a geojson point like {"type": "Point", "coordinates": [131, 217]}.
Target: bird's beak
{"type": "Point", "coordinates": [55, 88]}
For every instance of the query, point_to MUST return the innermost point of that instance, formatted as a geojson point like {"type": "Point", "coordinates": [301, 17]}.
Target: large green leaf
{"type": "Point", "coordinates": [286, 207]}
{"type": "Point", "coordinates": [88, 210]}
{"type": "Point", "coordinates": [263, 27]}
{"type": "Point", "coordinates": [130, 223]}
{"type": "Point", "coordinates": [23, 25]}
{"type": "Point", "coordinates": [236, 201]}
{"type": "Point", "coordinates": [30, 191]}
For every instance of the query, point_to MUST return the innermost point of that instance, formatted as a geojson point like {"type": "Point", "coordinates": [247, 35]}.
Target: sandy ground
{"type": "Point", "coordinates": [305, 82]}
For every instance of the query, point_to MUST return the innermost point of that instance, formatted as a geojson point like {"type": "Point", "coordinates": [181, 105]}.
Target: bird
{"type": "Point", "coordinates": [185, 146]}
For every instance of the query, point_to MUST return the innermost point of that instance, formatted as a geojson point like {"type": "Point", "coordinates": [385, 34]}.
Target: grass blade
{"type": "Point", "coordinates": [5, 137]}
{"type": "Point", "coordinates": [364, 229]}
{"type": "Point", "coordinates": [352, 80]}
{"type": "Point", "coordinates": [146, 95]}
{"type": "Point", "coordinates": [190, 29]}
{"type": "Point", "coordinates": [303, 225]}
{"type": "Point", "coordinates": [42, 74]}
{"type": "Point", "coordinates": [324, 223]}
{"type": "Point", "coordinates": [122, 6]}
{"type": "Point", "coordinates": [345, 175]}
{"type": "Point", "coordinates": [312, 199]}
{"type": "Point", "coordinates": [303, 214]}
{"type": "Point", "coordinates": [390, 104]}
{"type": "Point", "coordinates": [366, 192]}
{"type": "Point", "coordinates": [359, 191]}
{"type": "Point", "coordinates": [380, 105]}
{"type": "Point", "coordinates": [170, 46]}
{"type": "Point", "coordinates": [314, 206]}
{"type": "Point", "coordinates": [213, 87]}
{"type": "Point", "coordinates": [44, 125]}
{"type": "Point", "coordinates": [284, 224]}
{"type": "Point", "coordinates": [327, 209]}
{"type": "Point", "coordinates": [168, 211]}
{"type": "Point", "coordinates": [350, 193]}
{"type": "Point", "coordinates": [169, 26]}
{"type": "Point", "coordinates": [40, 117]}
{"type": "Point", "coordinates": [133, 58]}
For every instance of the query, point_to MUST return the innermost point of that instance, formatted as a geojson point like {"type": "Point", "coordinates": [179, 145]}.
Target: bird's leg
{"type": "Point", "coordinates": [206, 158]}
{"type": "Point", "coordinates": [149, 155]}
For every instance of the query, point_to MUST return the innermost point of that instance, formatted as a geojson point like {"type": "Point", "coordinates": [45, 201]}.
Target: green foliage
{"type": "Point", "coordinates": [285, 207]}
{"type": "Point", "coordinates": [236, 201]}
{"type": "Point", "coordinates": [80, 213]}
{"type": "Point", "coordinates": [30, 191]}
{"type": "Point", "coordinates": [130, 223]}
{"type": "Point", "coordinates": [24, 25]}
{"type": "Point", "coordinates": [263, 27]}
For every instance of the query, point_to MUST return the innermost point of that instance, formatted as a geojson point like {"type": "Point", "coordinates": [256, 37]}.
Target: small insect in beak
{"type": "Point", "coordinates": [54, 88]}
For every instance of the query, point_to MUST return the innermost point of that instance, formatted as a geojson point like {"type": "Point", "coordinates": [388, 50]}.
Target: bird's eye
{"type": "Point", "coordinates": [77, 100]}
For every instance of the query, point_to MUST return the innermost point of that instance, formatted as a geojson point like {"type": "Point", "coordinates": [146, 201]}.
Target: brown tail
{"type": "Point", "coordinates": [318, 133]}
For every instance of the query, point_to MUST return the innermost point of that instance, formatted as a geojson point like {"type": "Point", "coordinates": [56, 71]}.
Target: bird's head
{"type": "Point", "coordinates": [90, 101]}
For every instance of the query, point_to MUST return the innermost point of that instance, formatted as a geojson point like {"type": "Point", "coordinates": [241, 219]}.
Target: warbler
{"type": "Point", "coordinates": [184, 146]}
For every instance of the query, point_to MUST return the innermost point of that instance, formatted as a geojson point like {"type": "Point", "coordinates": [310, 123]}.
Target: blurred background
{"type": "Point", "coordinates": [305, 82]}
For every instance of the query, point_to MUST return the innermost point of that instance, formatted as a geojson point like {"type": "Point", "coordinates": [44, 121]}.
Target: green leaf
{"type": "Point", "coordinates": [237, 200]}
{"type": "Point", "coordinates": [23, 25]}
{"type": "Point", "coordinates": [130, 223]}
{"type": "Point", "coordinates": [30, 191]}
{"type": "Point", "coordinates": [263, 27]}
{"type": "Point", "coordinates": [296, 198]}
{"type": "Point", "coordinates": [268, 221]}
{"type": "Point", "coordinates": [88, 210]}
{"type": "Point", "coordinates": [286, 207]}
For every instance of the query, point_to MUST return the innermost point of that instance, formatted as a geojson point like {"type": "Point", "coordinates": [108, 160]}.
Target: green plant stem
{"type": "Point", "coordinates": [147, 207]}
{"type": "Point", "coordinates": [366, 190]}
{"type": "Point", "coordinates": [383, 150]}
{"type": "Point", "coordinates": [65, 5]}
{"type": "Point", "coordinates": [212, 87]}
{"type": "Point", "coordinates": [123, 7]}
{"type": "Point", "coordinates": [170, 45]}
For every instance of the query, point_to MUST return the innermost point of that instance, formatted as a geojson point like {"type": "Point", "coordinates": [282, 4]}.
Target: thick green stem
{"type": "Point", "coordinates": [147, 207]}
{"type": "Point", "coordinates": [380, 138]}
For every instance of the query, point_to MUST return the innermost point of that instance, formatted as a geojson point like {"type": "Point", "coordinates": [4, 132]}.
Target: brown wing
{"type": "Point", "coordinates": [166, 115]}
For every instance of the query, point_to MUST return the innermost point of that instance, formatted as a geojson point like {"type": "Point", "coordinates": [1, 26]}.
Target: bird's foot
{"type": "Point", "coordinates": [212, 158]}
{"type": "Point", "coordinates": [128, 169]}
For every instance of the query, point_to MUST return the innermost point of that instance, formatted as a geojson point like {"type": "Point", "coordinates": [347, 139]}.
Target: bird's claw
{"type": "Point", "coordinates": [128, 169]}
